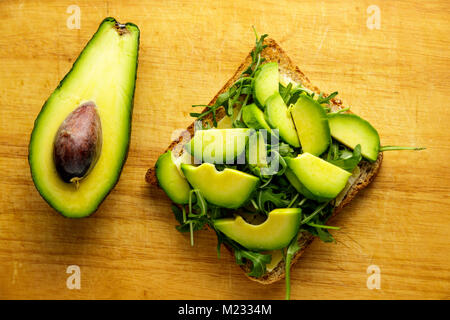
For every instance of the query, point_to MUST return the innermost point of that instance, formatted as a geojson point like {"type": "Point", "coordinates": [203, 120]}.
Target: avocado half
{"type": "Point", "coordinates": [105, 74]}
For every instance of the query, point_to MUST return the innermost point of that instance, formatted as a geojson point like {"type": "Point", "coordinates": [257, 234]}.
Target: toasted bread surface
{"type": "Point", "coordinates": [367, 170]}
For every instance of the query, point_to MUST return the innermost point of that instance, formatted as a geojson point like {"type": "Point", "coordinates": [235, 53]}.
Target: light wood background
{"type": "Point", "coordinates": [397, 77]}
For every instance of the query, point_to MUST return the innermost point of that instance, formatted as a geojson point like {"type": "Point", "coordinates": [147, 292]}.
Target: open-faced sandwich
{"type": "Point", "coordinates": [267, 163]}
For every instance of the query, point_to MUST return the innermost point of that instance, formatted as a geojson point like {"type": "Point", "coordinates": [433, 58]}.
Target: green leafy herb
{"type": "Point", "coordinates": [390, 148]}
{"type": "Point", "coordinates": [333, 151]}
{"type": "Point", "coordinates": [321, 226]}
{"type": "Point", "coordinates": [238, 124]}
{"type": "Point", "coordinates": [346, 159]}
{"type": "Point", "coordinates": [291, 251]}
{"type": "Point", "coordinates": [285, 92]}
{"type": "Point", "coordinates": [285, 150]}
{"type": "Point", "coordinates": [323, 234]}
{"type": "Point", "coordinates": [315, 212]}
{"type": "Point", "coordinates": [200, 203]}
{"type": "Point", "coordinates": [256, 54]}
{"type": "Point", "coordinates": [196, 218]}
{"type": "Point", "coordinates": [293, 200]}
{"type": "Point", "coordinates": [267, 200]}
{"type": "Point", "coordinates": [315, 223]}
{"type": "Point", "coordinates": [342, 110]}
{"type": "Point", "coordinates": [326, 100]}
{"type": "Point", "coordinates": [178, 214]}
{"type": "Point", "coordinates": [259, 261]}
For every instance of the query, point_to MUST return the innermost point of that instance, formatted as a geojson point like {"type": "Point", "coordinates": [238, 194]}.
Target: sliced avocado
{"type": "Point", "coordinates": [352, 130]}
{"type": "Point", "coordinates": [311, 122]}
{"type": "Point", "coordinates": [227, 122]}
{"type": "Point", "coordinates": [254, 118]}
{"type": "Point", "coordinates": [218, 145]}
{"type": "Point", "coordinates": [278, 117]}
{"type": "Point", "coordinates": [170, 180]}
{"type": "Point", "coordinates": [292, 178]}
{"type": "Point", "coordinates": [228, 188]}
{"type": "Point", "coordinates": [321, 179]}
{"type": "Point", "coordinates": [103, 75]}
{"type": "Point", "coordinates": [277, 257]}
{"type": "Point", "coordinates": [257, 150]}
{"type": "Point", "coordinates": [275, 233]}
{"type": "Point", "coordinates": [266, 82]}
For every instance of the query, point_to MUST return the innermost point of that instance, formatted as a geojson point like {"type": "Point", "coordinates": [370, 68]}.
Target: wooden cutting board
{"type": "Point", "coordinates": [396, 77]}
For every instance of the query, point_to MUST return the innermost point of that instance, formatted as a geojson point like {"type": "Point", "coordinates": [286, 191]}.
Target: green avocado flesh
{"type": "Point", "coordinates": [254, 118]}
{"type": "Point", "coordinates": [257, 150]}
{"type": "Point", "coordinates": [170, 179]}
{"type": "Point", "coordinates": [104, 73]}
{"type": "Point", "coordinates": [312, 126]}
{"type": "Point", "coordinates": [278, 117]}
{"type": "Point", "coordinates": [292, 178]}
{"type": "Point", "coordinates": [228, 188]}
{"type": "Point", "coordinates": [276, 232]}
{"type": "Point", "coordinates": [266, 82]}
{"type": "Point", "coordinates": [218, 146]}
{"type": "Point", "coordinates": [352, 130]}
{"type": "Point", "coordinates": [321, 179]}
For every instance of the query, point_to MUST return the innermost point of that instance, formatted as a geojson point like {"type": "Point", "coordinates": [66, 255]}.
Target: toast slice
{"type": "Point", "coordinates": [359, 180]}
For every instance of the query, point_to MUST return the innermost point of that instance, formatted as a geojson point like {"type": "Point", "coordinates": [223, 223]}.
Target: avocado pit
{"type": "Point", "coordinates": [78, 143]}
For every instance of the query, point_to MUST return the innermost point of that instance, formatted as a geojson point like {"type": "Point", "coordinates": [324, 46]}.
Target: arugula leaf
{"type": "Point", "coordinates": [259, 261]}
{"type": "Point", "coordinates": [321, 233]}
{"type": "Point", "coordinates": [333, 151]}
{"type": "Point", "coordinates": [291, 251]}
{"type": "Point", "coordinates": [200, 203]}
{"type": "Point", "coordinates": [238, 124]}
{"type": "Point", "coordinates": [326, 100]}
{"type": "Point", "coordinates": [256, 53]}
{"type": "Point", "coordinates": [285, 150]}
{"type": "Point", "coordinates": [347, 160]}
{"type": "Point", "coordinates": [220, 239]}
{"type": "Point", "coordinates": [315, 222]}
{"type": "Point", "coordinates": [291, 203]}
{"type": "Point", "coordinates": [285, 92]}
{"type": "Point", "coordinates": [315, 213]}
{"type": "Point", "coordinates": [390, 148]}
{"type": "Point", "coordinates": [196, 218]}
{"type": "Point", "coordinates": [315, 225]}
{"type": "Point", "coordinates": [178, 214]}
{"type": "Point", "coordinates": [278, 200]}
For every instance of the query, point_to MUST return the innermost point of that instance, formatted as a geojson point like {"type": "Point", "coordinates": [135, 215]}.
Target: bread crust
{"type": "Point", "coordinates": [273, 52]}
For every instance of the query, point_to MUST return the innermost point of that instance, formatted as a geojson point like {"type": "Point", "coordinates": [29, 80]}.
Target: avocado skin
{"type": "Point", "coordinates": [129, 120]}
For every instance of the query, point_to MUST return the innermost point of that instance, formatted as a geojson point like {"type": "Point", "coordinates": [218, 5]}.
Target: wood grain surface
{"type": "Point", "coordinates": [397, 77]}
